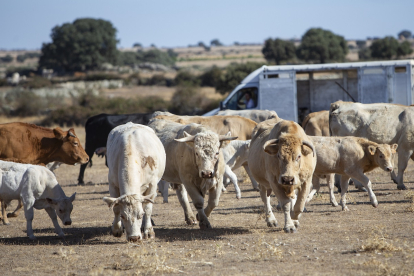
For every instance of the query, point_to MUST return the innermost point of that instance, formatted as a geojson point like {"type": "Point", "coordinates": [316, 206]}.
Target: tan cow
{"type": "Point", "coordinates": [350, 157]}
{"type": "Point", "coordinates": [32, 144]}
{"type": "Point", "coordinates": [317, 123]}
{"type": "Point", "coordinates": [282, 158]}
{"type": "Point", "coordinates": [195, 160]}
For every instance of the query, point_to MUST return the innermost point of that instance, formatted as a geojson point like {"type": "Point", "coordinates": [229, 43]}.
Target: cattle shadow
{"type": "Point", "coordinates": [73, 236]}
{"type": "Point", "coordinates": [195, 233]}
{"type": "Point", "coordinates": [90, 183]}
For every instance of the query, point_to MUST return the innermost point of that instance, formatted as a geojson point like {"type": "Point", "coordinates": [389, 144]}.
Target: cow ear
{"type": "Point", "coordinates": [271, 147]}
{"type": "Point", "coordinates": [394, 148]}
{"type": "Point", "coordinates": [372, 149]}
{"type": "Point", "coordinates": [59, 134]}
{"type": "Point", "coordinates": [51, 201]}
{"type": "Point", "coordinates": [110, 201]}
{"type": "Point", "coordinates": [72, 198]}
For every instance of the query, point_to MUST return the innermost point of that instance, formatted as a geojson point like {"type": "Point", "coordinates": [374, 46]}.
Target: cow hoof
{"type": "Point", "coordinates": [191, 220]}
{"type": "Point", "coordinates": [205, 225]}
{"type": "Point", "coordinates": [256, 189]}
{"type": "Point", "coordinates": [395, 181]}
{"type": "Point", "coordinates": [238, 197]}
{"type": "Point", "coordinates": [81, 183]}
{"type": "Point", "coordinates": [32, 238]}
{"type": "Point", "coordinates": [61, 235]}
{"type": "Point", "coordinates": [375, 205]}
{"type": "Point", "coordinates": [6, 223]}
{"type": "Point", "coordinates": [290, 229]}
{"type": "Point", "coordinates": [401, 187]}
{"type": "Point", "coordinates": [296, 223]}
{"type": "Point", "coordinates": [345, 209]}
{"type": "Point", "coordinates": [152, 235]}
{"type": "Point", "coordinates": [272, 223]}
{"type": "Point", "coordinates": [334, 204]}
{"type": "Point", "coordinates": [11, 215]}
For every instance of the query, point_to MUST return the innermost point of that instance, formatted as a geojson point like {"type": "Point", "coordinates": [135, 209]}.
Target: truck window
{"type": "Point", "coordinates": [243, 99]}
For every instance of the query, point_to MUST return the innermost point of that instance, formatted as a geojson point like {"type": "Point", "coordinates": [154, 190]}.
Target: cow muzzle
{"type": "Point", "coordinates": [69, 222]}
{"type": "Point", "coordinates": [134, 238]}
{"type": "Point", "coordinates": [389, 169]}
{"type": "Point", "coordinates": [287, 180]}
{"type": "Point", "coordinates": [207, 174]}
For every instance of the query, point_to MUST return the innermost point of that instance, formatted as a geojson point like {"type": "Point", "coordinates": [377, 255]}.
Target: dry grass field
{"type": "Point", "coordinates": [364, 241]}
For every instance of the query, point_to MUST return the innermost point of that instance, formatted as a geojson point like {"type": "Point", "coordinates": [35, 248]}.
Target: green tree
{"type": "Point", "coordinates": [322, 45]}
{"type": "Point", "coordinates": [216, 42]}
{"type": "Point", "coordinates": [184, 77]}
{"type": "Point", "coordinates": [82, 45]}
{"type": "Point", "coordinates": [404, 49]}
{"type": "Point", "coordinates": [384, 48]}
{"type": "Point", "coordinates": [211, 77]}
{"type": "Point", "coordinates": [405, 33]}
{"type": "Point", "coordinates": [278, 50]}
{"type": "Point", "coordinates": [6, 59]}
{"type": "Point", "coordinates": [234, 74]}
{"type": "Point", "coordinates": [364, 54]}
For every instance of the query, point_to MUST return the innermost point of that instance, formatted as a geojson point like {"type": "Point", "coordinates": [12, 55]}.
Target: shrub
{"type": "Point", "coordinates": [6, 59]}
{"type": "Point", "coordinates": [187, 100]}
{"type": "Point", "coordinates": [186, 78]}
{"type": "Point", "coordinates": [37, 82]}
{"type": "Point", "coordinates": [211, 77]}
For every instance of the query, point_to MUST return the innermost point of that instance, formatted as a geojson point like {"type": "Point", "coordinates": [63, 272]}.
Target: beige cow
{"type": "Point", "coordinates": [282, 158]}
{"type": "Point", "coordinates": [381, 123]}
{"type": "Point", "coordinates": [256, 115]}
{"type": "Point", "coordinates": [195, 160]}
{"type": "Point", "coordinates": [349, 157]}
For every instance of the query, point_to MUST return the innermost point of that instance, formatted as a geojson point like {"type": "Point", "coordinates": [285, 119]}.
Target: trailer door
{"type": "Point", "coordinates": [277, 91]}
{"type": "Point", "coordinates": [373, 85]}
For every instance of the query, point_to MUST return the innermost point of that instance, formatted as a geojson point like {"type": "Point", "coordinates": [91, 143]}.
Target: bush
{"type": "Point", "coordinates": [187, 100]}
{"type": "Point", "coordinates": [37, 82]}
{"type": "Point", "coordinates": [101, 76]}
{"type": "Point", "coordinates": [6, 59]}
{"type": "Point", "coordinates": [211, 77]}
{"type": "Point", "coordinates": [186, 78]}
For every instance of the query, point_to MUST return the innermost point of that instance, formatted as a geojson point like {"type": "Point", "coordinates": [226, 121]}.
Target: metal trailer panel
{"type": "Point", "coordinates": [372, 84]}
{"type": "Point", "coordinates": [401, 86]}
{"type": "Point", "coordinates": [279, 94]}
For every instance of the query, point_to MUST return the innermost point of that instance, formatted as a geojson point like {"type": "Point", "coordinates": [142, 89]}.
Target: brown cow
{"type": "Point", "coordinates": [317, 123]}
{"type": "Point", "coordinates": [32, 144]}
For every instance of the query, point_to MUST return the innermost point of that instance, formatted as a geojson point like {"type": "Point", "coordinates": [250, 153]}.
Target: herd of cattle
{"type": "Point", "coordinates": [197, 156]}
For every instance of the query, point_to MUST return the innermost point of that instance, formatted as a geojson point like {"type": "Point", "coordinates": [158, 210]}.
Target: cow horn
{"type": "Point", "coordinates": [306, 143]}
{"type": "Point", "coordinates": [187, 138]}
{"type": "Point", "coordinates": [226, 138]}
{"type": "Point", "coordinates": [71, 134]}
{"type": "Point", "coordinates": [272, 141]}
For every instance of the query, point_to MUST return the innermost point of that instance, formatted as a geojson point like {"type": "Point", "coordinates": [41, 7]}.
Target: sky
{"type": "Point", "coordinates": [26, 24]}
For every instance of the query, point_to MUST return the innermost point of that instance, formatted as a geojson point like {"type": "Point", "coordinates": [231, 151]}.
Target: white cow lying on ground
{"type": "Point", "coordinates": [195, 159]}
{"type": "Point", "coordinates": [136, 162]}
{"type": "Point", "coordinates": [349, 157]}
{"type": "Point", "coordinates": [256, 115]}
{"type": "Point", "coordinates": [282, 159]}
{"type": "Point", "coordinates": [38, 188]}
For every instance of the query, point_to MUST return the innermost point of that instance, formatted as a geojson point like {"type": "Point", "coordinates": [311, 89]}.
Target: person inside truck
{"type": "Point", "coordinates": [249, 100]}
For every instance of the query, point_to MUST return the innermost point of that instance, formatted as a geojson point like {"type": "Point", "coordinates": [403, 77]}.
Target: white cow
{"type": "Point", "coordinates": [38, 188]}
{"type": "Point", "coordinates": [136, 162]}
{"type": "Point", "coordinates": [256, 115]}
{"type": "Point", "coordinates": [235, 155]}
{"type": "Point", "coordinates": [349, 157]}
{"type": "Point", "coordinates": [381, 123]}
{"type": "Point", "coordinates": [194, 159]}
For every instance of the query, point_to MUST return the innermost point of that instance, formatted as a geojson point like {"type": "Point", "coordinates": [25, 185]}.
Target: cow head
{"type": "Point", "coordinates": [206, 147]}
{"type": "Point", "coordinates": [63, 208]}
{"type": "Point", "coordinates": [289, 150]}
{"type": "Point", "coordinates": [71, 152]}
{"type": "Point", "coordinates": [129, 208]}
{"type": "Point", "coordinates": [383, 155]}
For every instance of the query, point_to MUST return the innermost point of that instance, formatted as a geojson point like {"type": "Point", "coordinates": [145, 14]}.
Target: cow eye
{"type": "Point", "coordinates": [381, 156]}
{"type": "Point", "coordinates": [75, 144]}
{"type": "Point", "coordinates": [60, 210]}
{"type": "Point", "coordinates": [298, 158]}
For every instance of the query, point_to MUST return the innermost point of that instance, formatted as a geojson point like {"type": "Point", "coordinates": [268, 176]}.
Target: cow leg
{"type": "Point", "coordinates": [299, 202]}
{"type": "Point", "coordinates": [233, 178]}
{"type": "Point", "coordinates": [315, 187]}
{"type": "Point", "coordinates": [198, 202]}
{"type": "Point", "coordinates": [16, 211]}
{"type": "Point", "coordinates": [163, 188]}
{"type": "Point", "coordinates": [3, 212]}
{"type": "Point", "coordinates": [403, 157]}
{"type": "Point", "coordinates": [116, 224]}
{"type": "Point", "coordinates": [344, 190]}
{"type": "Point", "coordinates": [52, 214]}
{"type": "Point", "coordinates": [360, 176]}
{"type": "Point", "coordinates": [29, 214]}
{"type": "Point", "coordinates": [148, 230]}
{"type": "Point", "coordinates": [270, 217]}
{"type": "Point", "coordinates": [213, 199]}
{"type": "Point", "coordinates": [254, 182]}
{"type": "Point", "coordinates": [331, 185]}
{"type": "Point", "coordinates": [286, 207]}
{"type": "Point", "coordinates": [183, 198]}
{"type": "Point", "coordinates": [359, 186]}
{"type": "Point", "coordinates": [89, 151]}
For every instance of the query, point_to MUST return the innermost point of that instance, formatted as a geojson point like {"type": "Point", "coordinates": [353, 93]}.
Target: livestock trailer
{"type": "Point", "coordinates": [296, 90]}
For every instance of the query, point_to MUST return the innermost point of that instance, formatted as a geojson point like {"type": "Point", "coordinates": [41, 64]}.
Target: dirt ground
{"type": "Point", "coordinates": [364, 241]}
